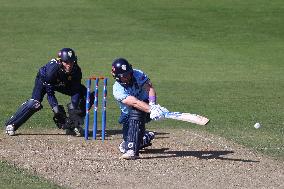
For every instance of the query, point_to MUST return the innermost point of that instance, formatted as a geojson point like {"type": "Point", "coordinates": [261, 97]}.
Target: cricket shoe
{"type": "Point", "coordinates": [129, 155]}
{"type": "Point", "coordinates": [150, 134]}
{"type": "Point", "coordinates": [77, 131]}
{"type": "Point", "coordinates": [147, 138]}
{"type": "Point", "coordinates": [121, 147]}
{"type": "Point", "coordinates": [123, 150]}
{"type": "Point", "coordinates": [10, 130]}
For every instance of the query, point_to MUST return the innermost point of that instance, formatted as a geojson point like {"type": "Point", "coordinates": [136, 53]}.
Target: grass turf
{"type": "Point", "coordinates": [13, 177]}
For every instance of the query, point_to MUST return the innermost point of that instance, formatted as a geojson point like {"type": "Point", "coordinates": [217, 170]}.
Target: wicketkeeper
{"type": "Point", "coordinates": [61, 74]}
{"type": "Point", "coordinates": [137, 100]}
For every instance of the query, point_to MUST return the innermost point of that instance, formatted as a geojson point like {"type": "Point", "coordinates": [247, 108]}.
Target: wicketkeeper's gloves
{"type": "Point", "coordinates": [76, 117]}
{"type": "Point", "coordinates": [59, 116]}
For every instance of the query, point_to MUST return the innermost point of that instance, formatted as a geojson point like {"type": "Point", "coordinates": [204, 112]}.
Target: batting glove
{"type": "Point", "coordinates": [156, 112]}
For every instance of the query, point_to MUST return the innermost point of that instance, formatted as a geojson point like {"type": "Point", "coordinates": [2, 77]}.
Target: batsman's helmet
{"type": "Point", "coordinates": [67, 55]}
{"type": "Point", "coordinates": [121, 69]}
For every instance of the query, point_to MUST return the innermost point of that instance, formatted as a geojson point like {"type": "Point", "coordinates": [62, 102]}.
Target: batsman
{"type": "Point", "coordinates": [61, 74]}
{"type": "Point", "coordinates": [136, 97]}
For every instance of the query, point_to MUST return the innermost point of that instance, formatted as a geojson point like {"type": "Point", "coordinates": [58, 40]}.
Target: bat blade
{"type": "Point", "coordinates": [188, 117]}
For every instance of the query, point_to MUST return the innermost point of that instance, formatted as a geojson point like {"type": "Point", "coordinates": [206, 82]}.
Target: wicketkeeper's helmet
{"type": "Point", "coordinates": [67, 55]}
{"type": "Point", "coordinates": [121, 69]}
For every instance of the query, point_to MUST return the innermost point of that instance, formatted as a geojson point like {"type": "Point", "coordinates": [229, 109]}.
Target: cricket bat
{"type": "Point", "coordinates": [188, 117]}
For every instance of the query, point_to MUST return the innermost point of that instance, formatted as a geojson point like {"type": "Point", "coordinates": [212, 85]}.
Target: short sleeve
{"type": "Point", "coordinates": [119, 92]}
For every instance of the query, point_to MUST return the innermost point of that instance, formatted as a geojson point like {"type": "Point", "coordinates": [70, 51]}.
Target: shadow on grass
{"type": "Point", "coordinates": [198, 154]}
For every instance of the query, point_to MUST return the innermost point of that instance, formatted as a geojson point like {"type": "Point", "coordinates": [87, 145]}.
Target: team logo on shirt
{"type": "Point", "coordinates": [69, 78]}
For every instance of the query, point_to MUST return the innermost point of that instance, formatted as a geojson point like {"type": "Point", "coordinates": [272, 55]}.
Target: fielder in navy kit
{"type": "Point", "coordinates": [136, 96]}
{"type": "Point", "coordinates": [61, 74]}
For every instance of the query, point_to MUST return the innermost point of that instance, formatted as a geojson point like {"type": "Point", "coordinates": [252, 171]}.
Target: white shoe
{"type": "Point", "coordinates": [10, 130]}
{"type": "Point", "coordinates": [146, 142]}
{"type": "Point", "coordinates": [129, 155]}
{"type": "Point", "coordinates": [78, 132]}
{"type": "Point", "coordinates": [121, 147]}
{"type": "Point", "coordinates": [147, 138]}
{"type": "Point", "coordinates": [152, 135]}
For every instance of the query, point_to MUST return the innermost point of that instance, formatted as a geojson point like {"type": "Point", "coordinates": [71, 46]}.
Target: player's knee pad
{"type": "Point", "coordinates": [25, 111]}
{"type": "Point", "coordinates": [136, 129]}
{"type": "Point", "coordinates": [123, 119]}
{"type": "Point", "coordinates": [140, 118]}
{"type": "Point", "coordinates": [138, 115]}
{"type": "Point", "coordinates": [132, 141]}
